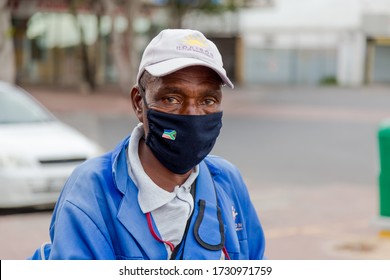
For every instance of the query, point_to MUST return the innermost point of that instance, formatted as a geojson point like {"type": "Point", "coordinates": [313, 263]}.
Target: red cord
{"type": "Point", "coordinates": [225, 252]}
{"type": "Point", "coordinates": [154, 234]}
{"type": "Point", "coordinates": [170, 244]}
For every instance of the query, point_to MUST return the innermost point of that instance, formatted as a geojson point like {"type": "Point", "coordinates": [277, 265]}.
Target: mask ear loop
{"type": "Point", "coordinates": [143, 96]}
{"type": "Point", "coordinates": [142, 92]}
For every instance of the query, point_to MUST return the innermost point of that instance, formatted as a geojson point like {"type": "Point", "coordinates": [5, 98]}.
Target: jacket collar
{"type": "Point", "coordinates": [129, 213]}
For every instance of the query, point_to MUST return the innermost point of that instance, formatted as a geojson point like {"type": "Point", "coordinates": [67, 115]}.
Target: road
{"type": "Point", "coordinates": [309, 157]}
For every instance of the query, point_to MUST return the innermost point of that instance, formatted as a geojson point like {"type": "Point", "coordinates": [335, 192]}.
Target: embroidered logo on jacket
{"type": "Point", "coordinates": [238, 225]}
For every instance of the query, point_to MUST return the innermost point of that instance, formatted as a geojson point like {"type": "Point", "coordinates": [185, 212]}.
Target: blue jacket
{"type": "Point", "coordinates": [98, 216]}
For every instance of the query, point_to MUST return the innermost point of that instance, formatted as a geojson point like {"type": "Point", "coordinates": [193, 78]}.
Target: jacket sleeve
{"type": "Point", "coordinates": [254, 229]}
{"type": "Point", "coordinates": [229, 178]}
{"type": "Point", "coordinates": [256, 240]}
{"type": "Point", "coordinates": [77, 237]}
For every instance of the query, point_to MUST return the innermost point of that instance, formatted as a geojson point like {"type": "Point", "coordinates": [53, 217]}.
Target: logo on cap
{"type": "Point", "coordinates": [195, 40]}
{"type": "Point", "coordinates": [197, 44]}
{"type": "Point", "coordinates": [169, 134]}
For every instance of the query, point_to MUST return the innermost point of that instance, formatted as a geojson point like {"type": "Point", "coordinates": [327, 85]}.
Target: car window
{"type": "Point", "coordinates": [18, 107]}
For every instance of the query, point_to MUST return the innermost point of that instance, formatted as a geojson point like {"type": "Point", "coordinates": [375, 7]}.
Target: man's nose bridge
{"type": "Point", "coordinates": [192, 108]}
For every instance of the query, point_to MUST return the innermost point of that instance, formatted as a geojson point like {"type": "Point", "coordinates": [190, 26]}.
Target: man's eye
{"type": "Point", "coordinates": [171, 100]}
{"type": "Point", "coordinates": [209, 101]}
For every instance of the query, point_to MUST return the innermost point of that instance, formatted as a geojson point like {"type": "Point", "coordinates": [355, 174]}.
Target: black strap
{"type": "Point", "coordinates": [199, 218]}
{"type": "Point", "coordinates": [176, 250]}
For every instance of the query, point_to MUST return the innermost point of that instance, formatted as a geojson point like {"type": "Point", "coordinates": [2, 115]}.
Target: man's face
{"type": "Point", "coordinates": [194, 90]}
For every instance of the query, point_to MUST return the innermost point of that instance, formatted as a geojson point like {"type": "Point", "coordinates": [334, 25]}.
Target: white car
{"type": "Point", "coordinates": [37, 151]}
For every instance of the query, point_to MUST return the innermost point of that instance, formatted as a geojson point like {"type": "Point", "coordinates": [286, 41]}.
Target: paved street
{"type": "Point", "coordinates": [309, 157]}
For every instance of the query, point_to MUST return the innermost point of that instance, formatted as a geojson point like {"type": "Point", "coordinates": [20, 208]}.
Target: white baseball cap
{"type": "Point", "coordinates": [175, 49]}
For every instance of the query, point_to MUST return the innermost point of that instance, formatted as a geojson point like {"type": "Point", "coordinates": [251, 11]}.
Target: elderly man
{"type": "Point", "coordinates": [159, 194]}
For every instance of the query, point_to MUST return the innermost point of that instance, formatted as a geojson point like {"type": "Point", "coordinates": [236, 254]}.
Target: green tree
{"type": "Point", "coordinates": [88, 68]}
{"type": "Point", "coordinates": [122, 44]}
{"type": "Point", "coordinates": [7, 60]}
{"type": "Point", "coordinates": [179, 8]}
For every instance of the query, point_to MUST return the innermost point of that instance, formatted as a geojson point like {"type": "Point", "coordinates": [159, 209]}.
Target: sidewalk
{"type": "Point", "coordinates": [108, 100]}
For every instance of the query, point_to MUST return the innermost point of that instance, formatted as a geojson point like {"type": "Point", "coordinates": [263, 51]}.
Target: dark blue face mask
{"type": "Point", "coordinates": [180, 142]}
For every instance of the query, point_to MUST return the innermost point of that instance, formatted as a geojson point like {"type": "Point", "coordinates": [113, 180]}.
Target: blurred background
{"type": "Point", "coordinates": [303, 124]}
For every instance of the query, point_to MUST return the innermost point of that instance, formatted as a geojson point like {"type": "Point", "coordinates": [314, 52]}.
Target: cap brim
{"type": "Point", "coordinates": [169, 66]}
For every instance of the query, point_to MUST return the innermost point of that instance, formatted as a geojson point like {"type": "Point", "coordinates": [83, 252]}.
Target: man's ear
{"type": "Point", "coordinates": [137, 102]}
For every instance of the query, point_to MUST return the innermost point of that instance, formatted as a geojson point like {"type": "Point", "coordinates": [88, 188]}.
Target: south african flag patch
{"type": "Point", "coordinates": [169, 134]}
